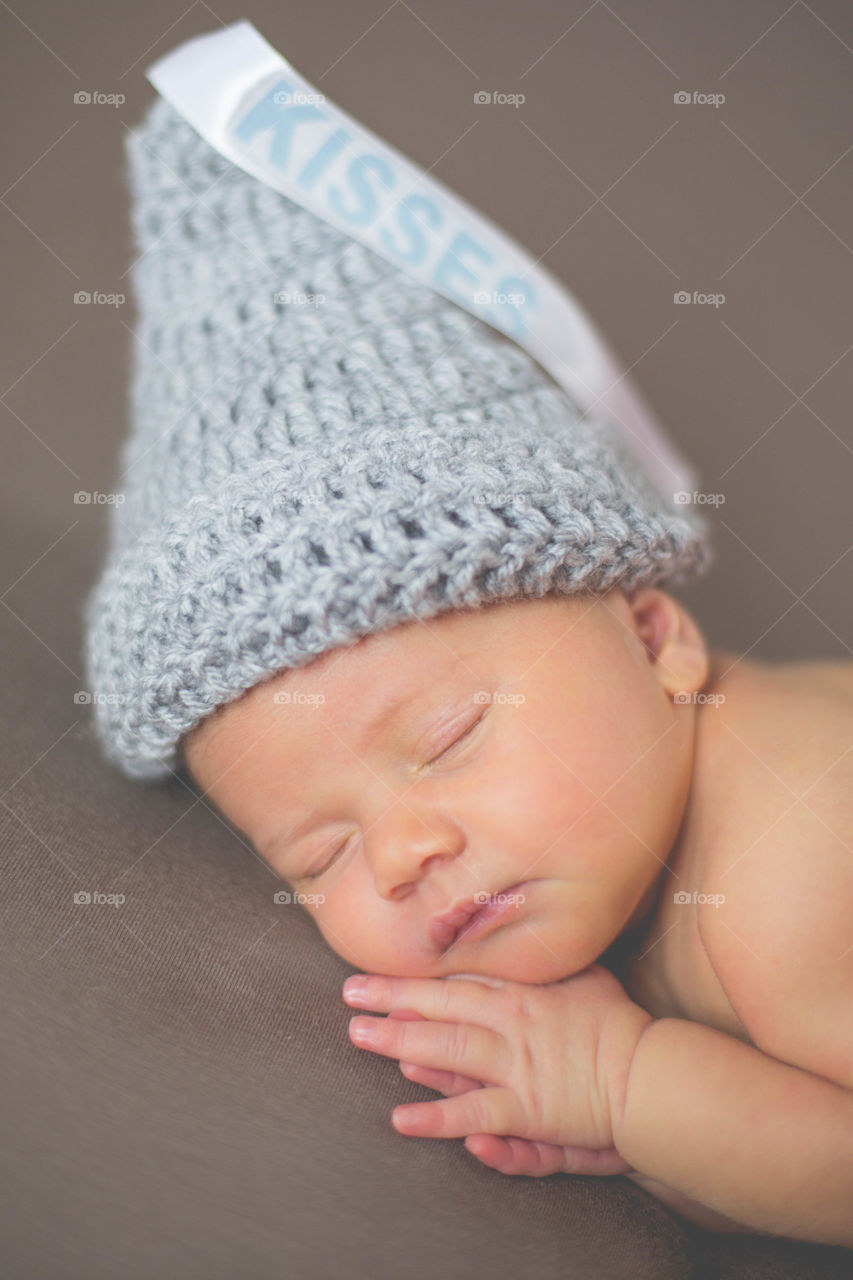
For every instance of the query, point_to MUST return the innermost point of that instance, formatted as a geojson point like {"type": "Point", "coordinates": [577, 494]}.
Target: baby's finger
{"type": "Point", "coordinates": [601, 1163]}
{"type": "Point", "coordinates": [492, 1109]}
{"type": "Point", "coordinates": [471, 1050]}
{"type": "Point", "coordinates": [464, 1000]}
{"type": "Point", "coordinates": [516, 1155]}
{"type": "Point", "coordinates": [539, 1159]}
{"type": "Point", "coordinates": [449, 1083]}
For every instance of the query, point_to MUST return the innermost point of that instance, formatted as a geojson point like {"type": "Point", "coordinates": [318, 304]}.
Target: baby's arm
{"type": "Point", "coordinates": [755, 1139]}
{"type": "Point", "coordinates": [699, 1214]}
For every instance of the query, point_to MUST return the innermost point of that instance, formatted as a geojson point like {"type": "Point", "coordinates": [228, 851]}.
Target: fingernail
{"type": "Point", "coordinates": [362, 1029]}
{"type": "Point", "coordinates": [355, 989]}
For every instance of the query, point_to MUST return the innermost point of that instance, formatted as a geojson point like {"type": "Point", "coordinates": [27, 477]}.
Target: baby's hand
{"type": "Point", "coordinates": [553, 1060]}
{"type": "Point", "coordinates": [514, 1156]}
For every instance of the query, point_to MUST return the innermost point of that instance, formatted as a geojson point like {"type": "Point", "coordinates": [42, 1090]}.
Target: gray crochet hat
{"type": "Point", "coordinates": [322, 447]}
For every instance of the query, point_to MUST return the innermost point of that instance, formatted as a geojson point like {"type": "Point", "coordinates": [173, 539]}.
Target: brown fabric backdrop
{"type": "Point", "coordinates": [180, 1097]}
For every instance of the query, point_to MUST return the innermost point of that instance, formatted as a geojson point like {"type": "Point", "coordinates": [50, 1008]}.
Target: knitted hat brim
{"type": "Point", "coordinates": [281, 565]}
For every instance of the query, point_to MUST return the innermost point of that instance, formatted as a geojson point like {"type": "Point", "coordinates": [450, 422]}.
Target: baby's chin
{"type": "Point", "coordinates": [522, 955]}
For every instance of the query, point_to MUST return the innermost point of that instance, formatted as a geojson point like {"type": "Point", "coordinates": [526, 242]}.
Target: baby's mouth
{"type": "Point", "coordinates": [475, 916]}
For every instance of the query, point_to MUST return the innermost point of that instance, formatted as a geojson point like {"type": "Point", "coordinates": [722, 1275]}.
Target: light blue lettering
{"type": "Point", "coordinates": [269, 114]}
{"type": "Point", "coordinates": [408, 216]}
{"type": "Point", "coordinates": [513, 313]}
{"type": "Point", "coordinates": [319, 163]}
{"type": "Point", "coordinates": [450, 262]}
{"type": "Point", "coordinates": [357, 172]}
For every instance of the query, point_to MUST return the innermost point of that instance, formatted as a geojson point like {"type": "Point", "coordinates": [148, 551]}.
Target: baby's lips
{"type": "Point", "coordinates": [442, 933]}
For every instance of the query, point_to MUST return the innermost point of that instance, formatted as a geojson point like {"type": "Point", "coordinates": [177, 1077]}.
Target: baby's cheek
{"type": "Point", "coordinates": [356, 933]}
{"type": "Point", "coordinates": [340, 938]}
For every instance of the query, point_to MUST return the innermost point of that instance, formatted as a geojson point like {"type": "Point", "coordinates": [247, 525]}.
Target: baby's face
{"type": "Point", "coordinates": [532, 743]}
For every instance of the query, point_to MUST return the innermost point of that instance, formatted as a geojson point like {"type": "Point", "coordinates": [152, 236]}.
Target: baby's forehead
{"type": "Point", "coordinates": [448, 639]}
{"type": "Point", "coordinates": [422, 648]}
{"type": "Point", "coordinates": [403, 665]}
{"type": "Point", "coordinates": [478, 626]}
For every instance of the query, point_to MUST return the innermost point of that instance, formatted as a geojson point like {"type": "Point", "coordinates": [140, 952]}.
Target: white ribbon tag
{"type": "Point", "coordinates": [253, 107]}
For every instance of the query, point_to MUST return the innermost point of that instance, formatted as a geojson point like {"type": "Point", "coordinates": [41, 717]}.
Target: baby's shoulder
{"type": "Point", "coordinates": [824, 678]}
{"type": "Point", "coordinates": [820, 692]}
{"type": "Point", "coordinates": [770, 882]}
{"type": "Point", "coordinates": [781, 868]}
{"type": "Point", "coordinates": [790, 724]}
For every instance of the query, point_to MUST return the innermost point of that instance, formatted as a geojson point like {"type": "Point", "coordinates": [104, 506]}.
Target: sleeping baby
{"type": "Point", "coordinates": [503, 794]}
{"type": "Point", "coordinates": [406, 616]}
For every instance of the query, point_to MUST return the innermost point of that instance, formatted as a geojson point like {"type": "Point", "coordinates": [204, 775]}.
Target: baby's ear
{"type": "Point", "coordinates": [674, 644]}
